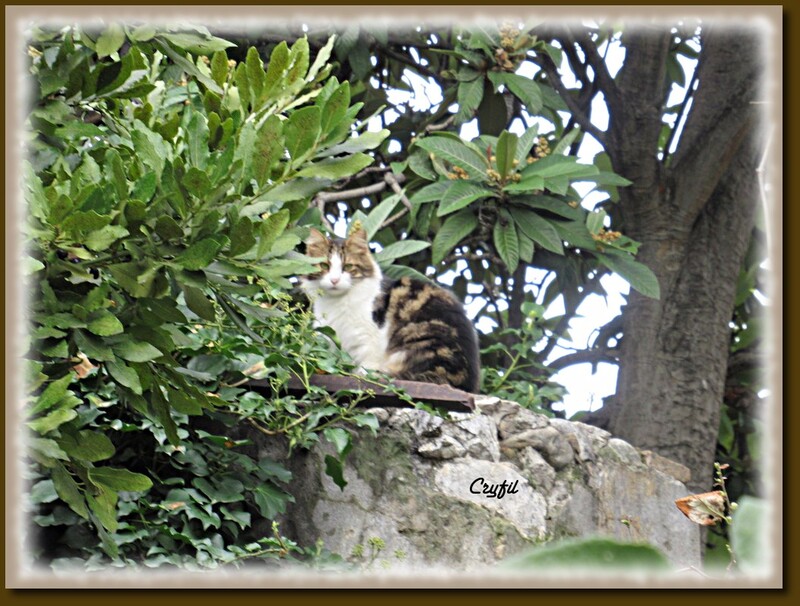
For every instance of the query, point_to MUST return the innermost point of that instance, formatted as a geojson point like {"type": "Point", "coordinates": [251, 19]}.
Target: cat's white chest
{"type": "Point", "coordinates": [350, 315]}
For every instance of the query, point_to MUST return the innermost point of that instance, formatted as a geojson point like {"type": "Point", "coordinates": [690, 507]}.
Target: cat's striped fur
{"type": "Point", "coordinates": [407, 328]}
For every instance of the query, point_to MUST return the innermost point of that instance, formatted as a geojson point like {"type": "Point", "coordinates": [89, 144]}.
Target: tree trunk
{"type": "Point", "coordinates": [694, 220]}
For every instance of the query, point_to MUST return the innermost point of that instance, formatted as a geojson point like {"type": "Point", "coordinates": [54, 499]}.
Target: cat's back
{"type": "Point", "coordinates": [428, 324]}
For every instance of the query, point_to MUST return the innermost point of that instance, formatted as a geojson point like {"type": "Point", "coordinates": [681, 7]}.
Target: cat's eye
{"type": "Point", "coordinates": [349, 267]}
{"type": "Point", "coordinates": [324, 266]}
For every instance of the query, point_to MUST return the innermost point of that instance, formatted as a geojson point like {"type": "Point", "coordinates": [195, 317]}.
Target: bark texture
{"type": "Point", "coordinates": [694, 217]}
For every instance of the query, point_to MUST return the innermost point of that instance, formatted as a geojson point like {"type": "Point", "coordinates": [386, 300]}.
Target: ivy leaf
{"type": "Point", "coordinates": [455, 229]}
{"type": "Point", "coordinates": [334, 468]}
{"type": "Point", "coordinates": [222, 490]}
{"type": "Point", "coordinates": [340, 438]}
{"type": "Point", "coordinates": [52, 394]}
{"type": "Point", "coordinates": [270, 501]}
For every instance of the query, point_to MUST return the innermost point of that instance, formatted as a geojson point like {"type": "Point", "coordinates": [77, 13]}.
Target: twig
{"type": "Point", "coordinates": [441, 126]}
{"type": "Point", "coordinates": [552, 75]}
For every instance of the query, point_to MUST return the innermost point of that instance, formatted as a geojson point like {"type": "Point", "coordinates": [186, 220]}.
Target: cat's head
{"type": "Point", "coordinates": [347, 262]}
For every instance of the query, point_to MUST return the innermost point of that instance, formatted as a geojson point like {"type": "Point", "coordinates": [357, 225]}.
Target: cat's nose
{"type": "Point", "coordinates": [335, 281]}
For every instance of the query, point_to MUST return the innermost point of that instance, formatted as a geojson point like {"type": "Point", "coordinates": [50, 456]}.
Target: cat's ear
{"type": "Point", "coordinates": [357, 234]}
{"type": "Point", "coordinates": [316, 238]}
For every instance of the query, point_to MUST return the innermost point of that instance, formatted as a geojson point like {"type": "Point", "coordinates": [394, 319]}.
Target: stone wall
{"type": "Point", "coordinates": [465, 492]}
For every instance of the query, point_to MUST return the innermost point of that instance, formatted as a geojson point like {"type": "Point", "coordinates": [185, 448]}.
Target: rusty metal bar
{"type": "Point", "coordinates": [439, 396]}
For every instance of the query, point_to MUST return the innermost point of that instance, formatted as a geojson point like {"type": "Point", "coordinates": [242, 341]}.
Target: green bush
{"type": "Point", "coordinates": [167, 188]}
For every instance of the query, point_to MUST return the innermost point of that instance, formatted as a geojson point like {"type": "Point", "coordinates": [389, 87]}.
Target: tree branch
{"type": "Point", "coordinates": [580, 116]}
{"type": "Point", "coordinates": [722, 115]}
{"type": "Point", "coordinates": [589, 356]}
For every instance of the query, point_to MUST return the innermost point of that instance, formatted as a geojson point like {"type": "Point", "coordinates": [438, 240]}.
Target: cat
{"type": "Point", "coordinates": [407, 328]}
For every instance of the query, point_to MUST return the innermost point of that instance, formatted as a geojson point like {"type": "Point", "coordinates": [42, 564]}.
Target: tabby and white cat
{"type": "Point", "coordinates": [409, 329]}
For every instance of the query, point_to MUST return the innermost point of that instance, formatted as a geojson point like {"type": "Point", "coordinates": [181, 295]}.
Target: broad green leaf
{"type": "Point", "coordinates": [595, 220]}
{"type": "Point", "coordinates": [531, 183]}
{"type": "Point", "coordinates": [638, 275]}
{"type": "Point", "coordinates": [270, 501]}
{"type": "Point", "coordinates": [219, 67]}
{"type": "Point", "coordinates": [223, 490]}
{"type": "Point", "coordinates": [145, 187]}
{"type": "Point", "coordinates": [431, 193]}
{"type": "Point", "coordinates": [363, 142]}
{"type": "Point", "coordinates": [119, 480]}
{"type": "Point", "coordinates": [199, 254]}
{"type": "Point", "coordinates": [136, 351]}
{"type": "Point", "coordinates": [374, 220]}
{"type": "Point", "coordinates": [86, 445]}
{"type": "Point", "coordinates": [49, 449]}
{"type": "Point", "coordinates": [69, 492]}
{"type": "Point", "coordinates": [461, 194]}
{"type": "Point", "coordinates": [104, 237]}
{"type": "Point", "coordinates": [296, 189]}
{"type": "Point", "coordinates": [189, 67]}
{"type": "Point", "coordinates": [124, 375]}
{"type": "Point", "coordinates": [276, 69]}
{"type": "Point", "coordinates": [526, 248]}
{"type": "Point", "coordinates": [52, 394]}
{"type": "Point", "coordinates": [53, 420]}
{"type": "Point", "coordinates": [302, 131]}
{"type": "Point", "coordinates": [197, 301]}
{"type": "Point", "coordinates": [340, 438]}
{"type": "Point", "coordinates": [606, 178]}
{"type": "Point", "coordinates": [110, 40]}
{"type": "Point", "coordinates": [506, 153]}
{"type": "Point", "coordinates": [242, 237]}
{"type": "Point", "coordinates": [150, 148]}
{"type": "Point", "coordinates": [335, 109]}
{"type": "Point", "coordinates": [454, 230]}
{"type": "Point", "coordinates": [506, 241]}
{"type": "Point", "coordinates": [196, 182]}
{"type": "Point", "coordinates": [590, 554]}
{"type": "Point", "coordinates": [457, 153]}
{"type": "Point", "coordinates": [255, 75]}
{"type": "Point", "coordinates": [105, 324]}
{"type": "Point", "coordinates": [470, 95]}
{"type": "Point", "coordinates": [197, 140]}
{"type": "Point", "coordinates": [322, 57]}
{"type": "Point", "coordinates": [749, 534]}
{"type": "Point", "coordinates": [196, 43]}
{"type": "Point", "coordinates": [334, 468]}
{"type": "Point", "coordinates": [526, 143]}
{"type": "Point", "coordinates": [538, 229]}
{"type": "Point", "coordinates": [402, 248]}
{"type": "Point", "coordinates": [562, 147]}
{"type": "Point", "coordinates": [271, 227]}
{"type": "Point", "coordinates": [104, 506]}
{"type": "Point", "coordinates": [525, 89]}
{"type": "Point", "coordinates": [559, 166]}
{"type": "Point", "coordinates": [336, 168]}
{"type": "Point", "coordinates": [268, 148]}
